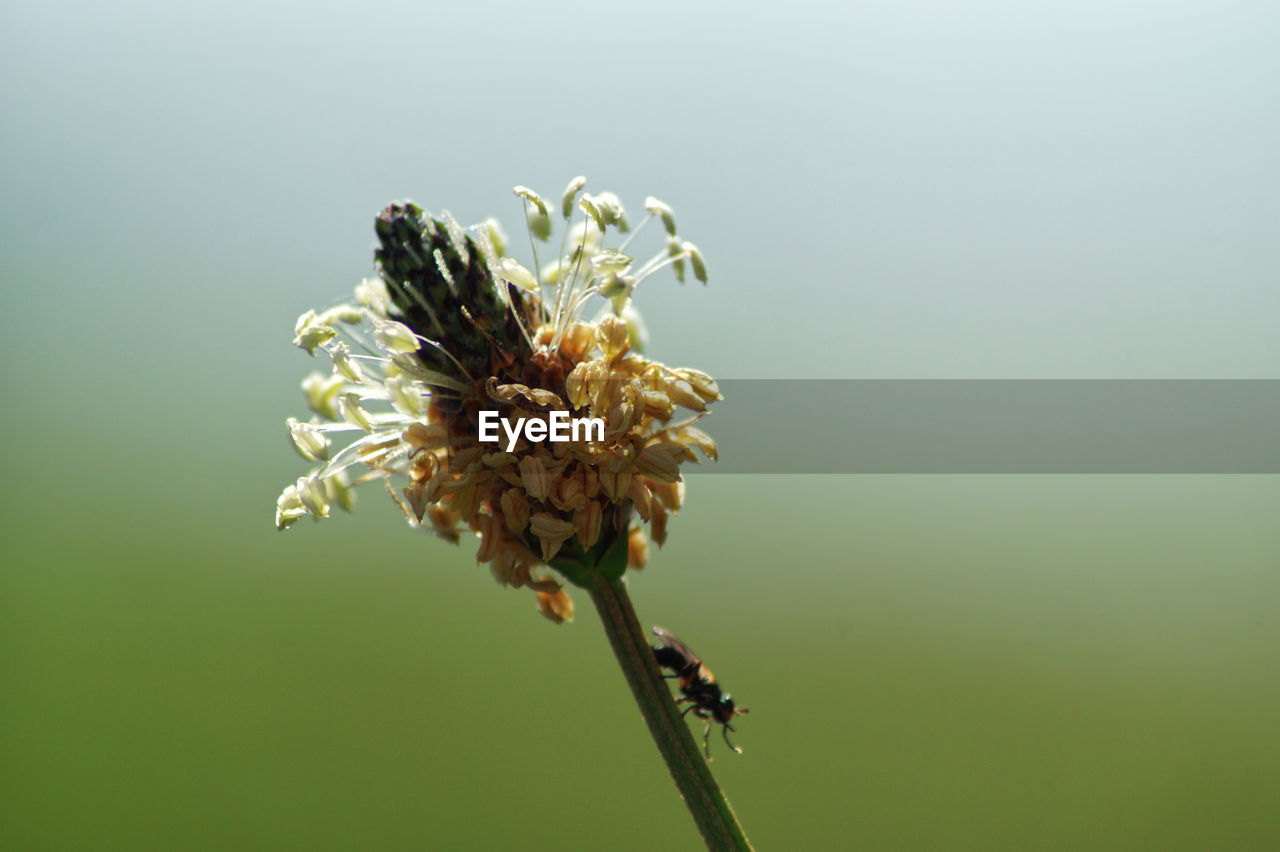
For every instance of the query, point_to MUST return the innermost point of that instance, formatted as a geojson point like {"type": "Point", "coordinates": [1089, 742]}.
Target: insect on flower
{"type": "Point", "coordinates": [698, 687]}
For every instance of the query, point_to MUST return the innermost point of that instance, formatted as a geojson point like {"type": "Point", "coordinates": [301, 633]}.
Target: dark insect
{"type": "Point", "coordinates": [698, 687]}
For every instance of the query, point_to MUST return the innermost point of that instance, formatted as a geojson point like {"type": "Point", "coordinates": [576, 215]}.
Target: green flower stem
{"type": "Point", "coordinates": [702, 795]}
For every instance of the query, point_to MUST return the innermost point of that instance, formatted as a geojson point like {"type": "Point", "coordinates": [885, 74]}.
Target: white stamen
{"type": "Point", "coordinates": [394, 337]}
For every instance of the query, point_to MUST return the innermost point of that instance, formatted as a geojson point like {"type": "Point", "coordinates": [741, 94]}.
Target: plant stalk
{"type": "Point", "coordinates": [702, 795]}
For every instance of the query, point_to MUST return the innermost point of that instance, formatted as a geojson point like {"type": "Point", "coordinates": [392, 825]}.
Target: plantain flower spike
{"type": "Point", "coordinates": [453, 326]}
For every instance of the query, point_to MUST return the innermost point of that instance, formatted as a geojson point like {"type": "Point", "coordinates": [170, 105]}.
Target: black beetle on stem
{"type": "Point", "coordinates": [698, 687]}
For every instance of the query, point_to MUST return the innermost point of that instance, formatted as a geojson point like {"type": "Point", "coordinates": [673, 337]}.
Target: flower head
{"type": "Point", "coordinates": [454, 326]}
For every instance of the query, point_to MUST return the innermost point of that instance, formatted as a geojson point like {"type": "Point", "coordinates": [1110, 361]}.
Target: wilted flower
{"type": "Point", "coordinates": [454, 326]}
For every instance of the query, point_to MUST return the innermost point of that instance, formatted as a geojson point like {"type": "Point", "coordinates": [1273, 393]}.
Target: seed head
{"type": "Point", "coordinates": [453, 326]}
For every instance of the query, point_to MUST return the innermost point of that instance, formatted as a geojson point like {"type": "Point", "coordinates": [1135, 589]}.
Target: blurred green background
{"type": "Point", "coordinates": [915, 190]}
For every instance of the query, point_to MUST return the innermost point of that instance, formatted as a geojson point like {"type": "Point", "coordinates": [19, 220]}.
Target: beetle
{"type": "Point", "coordinates": [698, 687]}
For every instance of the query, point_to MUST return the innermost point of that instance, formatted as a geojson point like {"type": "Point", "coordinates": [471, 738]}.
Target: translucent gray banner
{"type": "Point", "coordinates": [1077, 426]}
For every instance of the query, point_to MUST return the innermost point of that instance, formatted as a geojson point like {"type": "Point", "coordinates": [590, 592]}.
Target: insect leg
{"type": "Point", "coordinates": [725, 731]}
{"type": "Point", "coordinates": [687, 709]}
{"type": "Point", "coordinates": [706, 745]}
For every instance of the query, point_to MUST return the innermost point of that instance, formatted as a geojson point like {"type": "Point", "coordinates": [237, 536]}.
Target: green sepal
{"type": "Point", "coordinates": [608, 558]}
